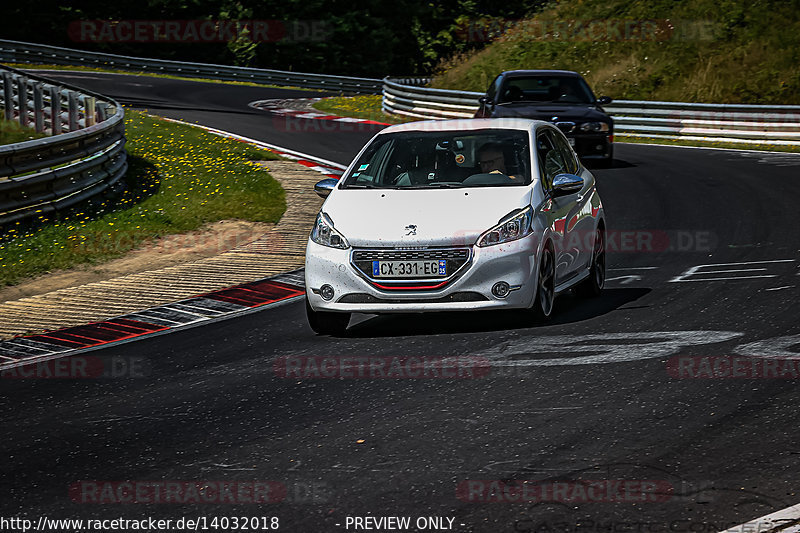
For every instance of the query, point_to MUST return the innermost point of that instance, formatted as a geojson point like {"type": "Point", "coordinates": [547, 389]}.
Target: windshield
{"type": "Point", "coordinates": [561, 89]}
{"type": "Point", "coordinates": [443, 159]}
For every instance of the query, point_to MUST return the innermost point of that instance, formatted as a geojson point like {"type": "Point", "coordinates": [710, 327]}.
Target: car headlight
{"type": "Point", "coordinates": [325, 234]}
{"type": "Point", "coordinates": [594, 126]}
{"type": "Point", "coordinates": [515, 226]}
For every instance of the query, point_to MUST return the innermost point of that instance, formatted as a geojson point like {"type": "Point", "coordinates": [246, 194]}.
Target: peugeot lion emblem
{"type": "Point", "coordinates": [411, 229]}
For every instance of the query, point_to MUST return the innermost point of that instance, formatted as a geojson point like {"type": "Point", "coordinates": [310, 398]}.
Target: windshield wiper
{"type": "Point", "coordinates": [368, 186]}
{"type": "Point", "coordinates": [436, 186]}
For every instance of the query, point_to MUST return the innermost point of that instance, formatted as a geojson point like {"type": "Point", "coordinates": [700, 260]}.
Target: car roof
{"type": "Point", "coordinates": [520, 73]}
{"type": "Point", "coordinates": [468, 124]}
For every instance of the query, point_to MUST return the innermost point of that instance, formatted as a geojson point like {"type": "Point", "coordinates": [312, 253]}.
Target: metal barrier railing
{"type": "Point", "coordinates": [83, 155]}
{"type": "Point", "coordinates": [20, 52]}
{"type": "Point", "coordinates": [735, 123]}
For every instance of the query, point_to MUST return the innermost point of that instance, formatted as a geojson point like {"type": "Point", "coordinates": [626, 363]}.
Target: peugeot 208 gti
{"type": "Point", "coordinates": [455, 215]}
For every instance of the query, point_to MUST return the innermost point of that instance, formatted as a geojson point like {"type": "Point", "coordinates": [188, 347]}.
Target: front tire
{"type": "Point", "coordinates": [327, 323]}
{"type": "Point", "coordinates": [593, 286]}
{"type": "Point", "coordinates": [546, 285]}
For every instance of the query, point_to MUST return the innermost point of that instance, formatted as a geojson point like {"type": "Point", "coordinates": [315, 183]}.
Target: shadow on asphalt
{"type": "Point", "coordinates": [569, 309]}
{"type": "Point", "coordinates": [617, 163]}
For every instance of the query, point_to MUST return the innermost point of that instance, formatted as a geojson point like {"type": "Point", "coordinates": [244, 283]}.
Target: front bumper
{"type": "Point", "coordinates": [593, 145]}
{"type": "Point", "coordinates": [470, 289]}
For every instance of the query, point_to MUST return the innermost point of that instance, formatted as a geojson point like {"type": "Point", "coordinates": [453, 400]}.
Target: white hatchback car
{"type": "Point", "coordinates": [455, 215]}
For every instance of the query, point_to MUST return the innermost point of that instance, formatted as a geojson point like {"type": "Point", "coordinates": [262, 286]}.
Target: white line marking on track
{"type": "Point", "coordinates": [783, 521]}
{"type": "Point", "coordinates": [598, 348]}
{"type": "Point", "coordinates": [696, 271]}
{"type": "Point", "coordinates": [626, 279]}
{"type": "Point", "coordinates": [752, 262]}
{"type": "Point", "coordinates": [724, 279]}
{"type": "Point", "coordinates": [779, 288]}
{"type": "Point", "coordinates": [732, 270]}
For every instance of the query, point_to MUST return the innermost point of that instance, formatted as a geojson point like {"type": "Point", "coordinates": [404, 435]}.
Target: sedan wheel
{"type": "Point", "coordinates": [597, 270]}
{"type": "Point", "coordinates": [546, 292]}
{"type": "Point", "coordinates": [326, 323]}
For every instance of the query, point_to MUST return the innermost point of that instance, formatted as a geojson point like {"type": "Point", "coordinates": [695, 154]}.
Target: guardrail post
{"type": "Point", "coordinates": [72, 110]}
{"type": "Point", "coordinates": [89, 110]}
{"type": "Point", "coordinates": [8, 96]}
{"type": "Point", "coordinates": [38, 108]}
{"type": "Point", "coordinates": [102, 111]}
{"type": "Point", "coordinates": [22, 100]}
{"type": "Point", "coordinates": [55, 110]}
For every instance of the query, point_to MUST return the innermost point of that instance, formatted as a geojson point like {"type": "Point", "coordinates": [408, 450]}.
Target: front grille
{"type": "Point", "coordinates": [411, 255]}
{"type": "Point", "coordinates": [456, 258]}
{"type": "Point", "coordinates": [362, 298]}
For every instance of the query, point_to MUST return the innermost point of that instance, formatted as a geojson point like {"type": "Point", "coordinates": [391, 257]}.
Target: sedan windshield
{"type": "Point", "coordinates": [446, 159]}
{"type": "Point", "coordinates": [560, 89]}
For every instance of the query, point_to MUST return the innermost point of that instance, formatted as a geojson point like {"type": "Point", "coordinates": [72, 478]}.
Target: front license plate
{"type": "Point", "coordinates": [409, 269]}
{"type": "Point", "coordinates": [571, 141]}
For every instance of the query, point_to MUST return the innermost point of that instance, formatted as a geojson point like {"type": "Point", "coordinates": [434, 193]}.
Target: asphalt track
{"type": "Point", "coordinates": [587, 396]}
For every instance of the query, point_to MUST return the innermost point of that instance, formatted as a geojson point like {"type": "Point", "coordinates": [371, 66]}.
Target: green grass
{"type": "Point", "coordinates": [724, 51]}
{"type": "Point", "coordinates": [180, 178]}
{"type": "Point", "coordinates": [707, 144]}
{"type": "Point", "coordinates": [11, 132]}
{"type": "Point", "coordinates": [31, 66]}
{"type": "Point", "coordinates": [366, 106]}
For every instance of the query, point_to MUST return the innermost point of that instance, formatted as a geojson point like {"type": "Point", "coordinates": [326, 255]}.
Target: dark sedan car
{"type": "Point", "coordinates": [559, 96]}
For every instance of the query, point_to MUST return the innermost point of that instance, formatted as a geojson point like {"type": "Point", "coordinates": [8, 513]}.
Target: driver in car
{"type": "Point", "coordinates": [491, 159]}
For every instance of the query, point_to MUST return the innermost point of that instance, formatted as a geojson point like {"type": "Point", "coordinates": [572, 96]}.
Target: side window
{"type": "Point", "coordinates": [567, 153]}
{"type": "Point", "coordinates": [493, 88]}
{"type": "Point", "coordinates": [551, 160]}
{"type": "Point", "coordinates": [372, 165]}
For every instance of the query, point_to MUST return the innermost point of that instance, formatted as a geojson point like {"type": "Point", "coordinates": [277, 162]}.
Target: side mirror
{"type": "Point", "coordinates": [485, 100]}
{"type": "Point", "coordinates": [604, 100]}
{"type": "Point", "coordinates": [564, 184]}
{"type": "Point", "coordinates": [323, 188]}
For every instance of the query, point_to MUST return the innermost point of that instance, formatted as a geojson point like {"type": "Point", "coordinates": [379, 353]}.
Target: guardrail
{"type": "Point", "coordinates": [83, 156]}
{"type": "Point", "coordinates": [734, 123]}
{"type": "Point", "coordinates": [20, 52]}
{"type": "Point", "coordinates": [404, 96]}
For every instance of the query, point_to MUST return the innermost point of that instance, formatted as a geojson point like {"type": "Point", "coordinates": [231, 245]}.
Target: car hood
{"type": "Point", "coordinates": [582, 113]}
{"type": "Point", "coordinates": [443, 217]}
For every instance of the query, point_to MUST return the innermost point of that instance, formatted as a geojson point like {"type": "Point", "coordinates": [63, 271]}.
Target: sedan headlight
{"type": "Point", "coordinates": [592, 127]}
{"type": "Point", "coordinates": [515, 226]}
{"type": "Point", "coordinates": [325, 234]}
